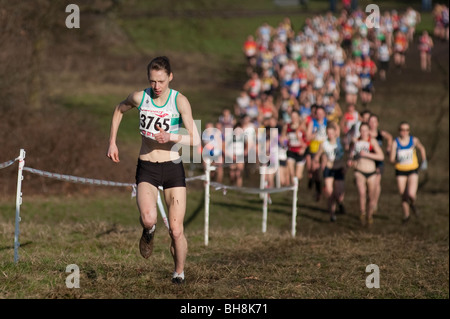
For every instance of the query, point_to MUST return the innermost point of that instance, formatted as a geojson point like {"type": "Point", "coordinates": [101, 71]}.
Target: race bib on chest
{"type": "Point", "coordinates": [151, 119]}
{"type": "Point", "coordinates": [321, 134]}
{"type": "Point", "coordinates": [365, 81]}
{"type": "Point", "coordinates": [362, 146]}
{"type": "Point", "coordinates": [405, 156]}
{"type": "Point", "coordinates": [293, 139]}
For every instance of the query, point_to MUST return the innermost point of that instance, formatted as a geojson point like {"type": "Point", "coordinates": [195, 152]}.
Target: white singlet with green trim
{"type": "Point", "coordinates": [151, 115]}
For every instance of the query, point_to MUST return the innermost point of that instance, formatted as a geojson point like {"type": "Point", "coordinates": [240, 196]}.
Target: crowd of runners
{"type": "Point", "coordinates": [315, 86]}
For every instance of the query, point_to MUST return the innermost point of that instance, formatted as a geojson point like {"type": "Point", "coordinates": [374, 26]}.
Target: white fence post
{"type": "Point", "coordinates": [207, 187]}
{"type": "Point", "coordinates": [277, 176]}
{"type": "Point", "coordinates": [162, 211]}
{"type": "Point", "coordinates": [18, 203]}
{"type": "Point", "coordinates": [208, 168]}
{"type": "Point", "coordinates": [294, 207]}
{"type": "Point", "coordinates": [262, 179]}
{"type": "Point", "coordinates": [264, 216]}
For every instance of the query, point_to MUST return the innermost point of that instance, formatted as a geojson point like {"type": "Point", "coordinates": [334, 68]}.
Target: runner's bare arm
{"type": "Point", "coordinates": [318, 154]}
{"type": "Point", "coordinates": [351, 155]}
{"type": "Point", "coordinates": [393, 152]}
{"type": "Point", "coordinates": [283, 136]}
{"type": "Point", "coordinates": [388, 137]}
{"type": "Point", "coordinates": [378, 154]}
{"type": "Point", "coordinates": [133, 100]}
{"type": "Point", "coordinates": [421, 148]}
{"type": "Point", "coordinates": [309, 131]}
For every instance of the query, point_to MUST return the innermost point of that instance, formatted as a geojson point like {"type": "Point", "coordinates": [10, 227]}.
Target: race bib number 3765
{"type": "Point", "coordinates": [151, 120]}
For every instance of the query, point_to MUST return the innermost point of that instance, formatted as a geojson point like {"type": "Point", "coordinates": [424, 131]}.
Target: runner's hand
{"type": "Point", "coordinates": [424, 165]}
{"type": "Point", "coordinates": [113, 153]}
{"type": "Point", "coordinates": [162, 136]}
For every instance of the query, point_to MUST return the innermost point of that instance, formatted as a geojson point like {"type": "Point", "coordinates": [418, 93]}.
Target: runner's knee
{"type": "Point", "coordinates": [147, 219]}
{"type": "Point", "coordinates": [176, 232]}
{"type": "Point", "coordinates": [412, 197]}
{"type": "Point", "coordinates": [328, 192]}
{"type": "Point", "coordinates": [405, 197]}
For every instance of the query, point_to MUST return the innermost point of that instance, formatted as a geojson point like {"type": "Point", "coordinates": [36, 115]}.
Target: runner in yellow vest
{"type": "Point", "coordinates": [404, 155]}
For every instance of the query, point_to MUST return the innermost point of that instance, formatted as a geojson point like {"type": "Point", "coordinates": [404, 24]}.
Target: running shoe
{"type": "Point", "coordinates": [333, 217]}
{"type": "Point", "coordinates": [317, 197]}
{"type": "Point", "coordinates": [414, 209]}
{"type": "Point", "coordinates": [341, 209]}
{"type": "Point", "coordinates": [178, 280]}
{"type": "Point", "coordinates": [146, 243]}
{"type": "Point", "coordinates": [362, 218]}
{"type": "Point", "coordinates": [405, 220]}
{"type": "Point", "coordinates": [370, 221]}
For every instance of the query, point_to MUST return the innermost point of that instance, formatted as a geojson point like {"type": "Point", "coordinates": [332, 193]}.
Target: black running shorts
{"type": "Point", "coordinates": [337, 174]}
{"type": "Point", "coordinates": [406, 173]}
{"type": "Point", "coordinates": [166, 174]}
{"type": "Point", "coordinates": [299, 158]}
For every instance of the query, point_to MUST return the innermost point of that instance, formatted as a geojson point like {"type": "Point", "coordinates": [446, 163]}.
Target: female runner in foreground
{"type": "Point", "coordinates": [159, 164]}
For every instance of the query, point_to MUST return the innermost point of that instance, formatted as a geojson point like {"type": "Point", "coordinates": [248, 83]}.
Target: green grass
{"type": "Point", "coordinates": [100, 234]}
{"type": "Point", "coordinates": [100, 107]}
{"type": "Point", "coordinates": [211, 28]}
{"type": "Point", "coordinates": [219, 36]}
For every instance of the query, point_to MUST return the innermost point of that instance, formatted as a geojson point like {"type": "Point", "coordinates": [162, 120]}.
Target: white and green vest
{"type": "Point", "coordinates": [167, 116]}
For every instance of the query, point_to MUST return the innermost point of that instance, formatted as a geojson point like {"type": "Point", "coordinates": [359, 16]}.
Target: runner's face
{"type": "Point", "coordinates": [320, 113]}
{"type": "Point", "coordinates": [373, 123]}
{"type": "Point", "coordinates": [404, 130]}
{"type": "Point", "coordinates": [159, 81]}
{"type": "Point", "coordinates": [364, 131]}
{"type": "Point", "coordinates": [331, 133]}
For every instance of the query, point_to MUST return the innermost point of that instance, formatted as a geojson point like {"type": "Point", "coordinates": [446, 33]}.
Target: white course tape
{"type": "Point", "coordinates": [8, 163]}
{"type": "Point", "coordinates": [83, 180]}
{"type": "Point", "coordinates": [249, 190]}
{"type": "Point", "coordinates": [76, 179]}
{"type": "Point", "coordinates": [199, 177]}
